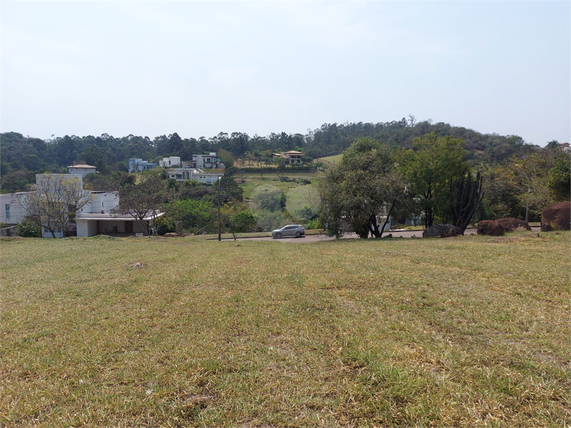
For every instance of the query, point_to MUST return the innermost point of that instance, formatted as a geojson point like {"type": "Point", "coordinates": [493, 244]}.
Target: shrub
{"type": "Point", "coordinates": [28, 229]}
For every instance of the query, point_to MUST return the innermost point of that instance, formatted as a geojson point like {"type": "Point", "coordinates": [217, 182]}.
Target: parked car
{"type": "Point", "coordinates": [290, 230]}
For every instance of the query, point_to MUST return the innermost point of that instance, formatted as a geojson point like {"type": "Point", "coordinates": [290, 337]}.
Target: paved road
{"type": "Point", "coordinates": [323, 237]}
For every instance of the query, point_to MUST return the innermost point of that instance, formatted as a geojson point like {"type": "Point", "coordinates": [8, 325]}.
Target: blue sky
{"type": "Point", "coordinates": [199, 68]}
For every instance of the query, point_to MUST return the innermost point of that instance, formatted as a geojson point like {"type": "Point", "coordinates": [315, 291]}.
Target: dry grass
{"type": "Point", "coordinates": [470, 331]}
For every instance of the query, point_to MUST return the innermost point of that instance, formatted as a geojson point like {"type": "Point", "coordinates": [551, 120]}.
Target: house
{"type": "Point", "coordinates": [97, 216]}
{"type": "Point", "coordinates": [81, 168]}
{"type": "Point", "coordinates": [170, 162]}
{"type": "Point", "coordinates": [205, 161]}
{"type": "Point", "coordinates": [292, 157]}
{"type": "Point", "coordinates": [182, 174]}
{"type": "Point", "coordinates": [138, 165]}
{"type": "Point", "coordinates": [91, 224]}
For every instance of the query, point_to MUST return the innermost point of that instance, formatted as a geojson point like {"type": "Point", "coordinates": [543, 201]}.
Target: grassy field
{"type": "Point", "coordinates": [471, 331]}
{"type": "Point", "coordinates": [331, 160]}
{"type": "Point", "coordinates": [298, 195]}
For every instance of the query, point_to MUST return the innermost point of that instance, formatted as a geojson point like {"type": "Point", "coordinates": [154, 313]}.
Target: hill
{"type": "Point", "coordinates": [22, 157]}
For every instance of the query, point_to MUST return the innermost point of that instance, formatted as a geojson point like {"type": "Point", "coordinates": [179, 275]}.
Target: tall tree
{"type": "Point", "coordinates": [526, 178]}
{"type": "Point", "coordinates": [363, 187]}
{"type": "Point", "coordinates": [467, 191]}
{"type": "Point", "coordinates": [147, 199]}
{"type": "Point", "coordinates": [559, 177]}
{"type": "Point", "coordinates": [429, 168]}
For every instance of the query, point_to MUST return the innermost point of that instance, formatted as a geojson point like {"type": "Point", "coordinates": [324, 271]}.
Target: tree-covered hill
{"type": "Point", "coordinates": [22, 157]}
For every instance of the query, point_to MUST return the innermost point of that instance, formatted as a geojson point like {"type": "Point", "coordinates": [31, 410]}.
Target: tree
{"type": "Point", "coordinates": [270, 200]}
{"type": "Point", "coordinates": [148, 198]}
{"type": "Point", "coordinates": [194, 214]}
{"type": "Point", "coordinates": [526, 179]}
{"type": "Point", "coordinates": [559, 178]}
{"type": "Point", "coordinates": [93, 155]}
{"type": "Point", "coordinates": [57, 199]}
{"type": "Point", "coordinates": [467, 192]}
{"type": "Point", "coordinates": [429, 168]}
{"type": "Point", "coordinates": [237, 217]}
{"type": "Point", "coordinates": [364, 186]}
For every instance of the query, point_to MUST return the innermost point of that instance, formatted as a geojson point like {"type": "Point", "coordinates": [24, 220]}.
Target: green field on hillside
{"type": "Point", "coordinates": [330, 160]}
{"type": "Point", "coordinates": [174, 332]}
{"type": "Point", "coordinates": [298, 194]}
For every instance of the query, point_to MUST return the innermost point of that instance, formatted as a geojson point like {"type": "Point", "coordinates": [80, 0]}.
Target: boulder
{"type": "Point", "coordinates": [510, 224]}
{"type": "Point", "coordinates": [170, 235]}
{"type": "Point", "coordinates": [490, 227]}
{"type": "Point", "coordinates": [556, 217]}
{"type": "Point", "coordinates": [441, 230]}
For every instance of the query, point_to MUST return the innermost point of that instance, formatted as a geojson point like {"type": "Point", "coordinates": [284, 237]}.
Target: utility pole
{"type": "Point", "coordinates": [219, 225]}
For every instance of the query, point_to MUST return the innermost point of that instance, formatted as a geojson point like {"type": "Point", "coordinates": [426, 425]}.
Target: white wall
{"type": "Point", "coordinates": [17, 213]}
{"type": "Point", "coordinates": [101, 202]}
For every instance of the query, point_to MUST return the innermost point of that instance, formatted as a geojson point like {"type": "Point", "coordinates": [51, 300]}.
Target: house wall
{"type": "Point", "coordinates": [170, 162]}
{"type": "Point", "coordinates": [181, 174]}
{"type": "Point", "coordinates": [86, 228]}
{"type": "Point", "coordinates": [10, 210]}
{"type": "Point", "coordinates": [102, 201]}
{"type": "Point", "coordinates": [47, 234]}
{"type": "Point", "coordinates": [81, 171]}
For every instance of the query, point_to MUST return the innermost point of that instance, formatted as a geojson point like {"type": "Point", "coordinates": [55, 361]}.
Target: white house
{"type": "Point", "coordinates": [96, 217]}
{"type": "Point", "coordinates": [81, 168]}
{"type": "Point", "coordinates": [182, 174]}
{"type": "Point", "coordinates": [170, 162]}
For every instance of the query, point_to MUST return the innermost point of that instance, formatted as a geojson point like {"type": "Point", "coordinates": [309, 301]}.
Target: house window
{"type": "Point", "coordinates": [7, 206]}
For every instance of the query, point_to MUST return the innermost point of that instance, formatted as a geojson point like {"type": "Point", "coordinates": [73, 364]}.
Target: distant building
{"type": "Point", "coordinates": [292, 157]}
{"type": "Point", "coordinates": [96, 217]}
{"type": "Point", "coordinates": [138, 165]}
{"type": "Point", "coordinates": [81, 168]}
{"type": "Point", "coordinates": [196, 174]}
{"type": "Point", "coordinates": [204, 162]}
{"type": "Point", "coordinates": [170, 162]}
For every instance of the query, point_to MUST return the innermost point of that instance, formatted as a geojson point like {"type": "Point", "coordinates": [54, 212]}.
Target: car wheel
{"type": "Point", "coordinates": [298, 234]}
{"type": "Point", "coordinates": [278, 235]}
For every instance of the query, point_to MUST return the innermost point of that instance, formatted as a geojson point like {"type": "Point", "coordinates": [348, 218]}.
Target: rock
{"type": "Point", "coordinates": [556, 217]}
{"type": "Point", "coordinates": [510, 224]}
{"type": "Point", "coordinates": [170, 235]}
{"type": "Point", "coordinates": [490, 227]}
{"type": "Point", "coordinates": [441, 230]}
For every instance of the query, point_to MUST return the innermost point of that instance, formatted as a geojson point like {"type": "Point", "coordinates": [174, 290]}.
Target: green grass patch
{"type": "Point", "coordinates": [469, 331]}
{"type": "Point", "coordinates": [297, 193]}
{"type": "Point", "coordinates": [331, 160]}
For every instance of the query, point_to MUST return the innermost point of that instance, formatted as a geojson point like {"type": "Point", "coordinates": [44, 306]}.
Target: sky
{"type": "Point", "coordinates": [199, 68]}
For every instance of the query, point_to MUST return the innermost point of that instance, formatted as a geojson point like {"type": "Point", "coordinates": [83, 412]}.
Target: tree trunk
{"type": "Point", "coordinates": [373, 226]}
{"type": "Point", "coordinates": [387, 219]}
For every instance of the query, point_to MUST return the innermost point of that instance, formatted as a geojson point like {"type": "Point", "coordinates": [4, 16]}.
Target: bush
{"type": "Point", "coordinates": [165, 225]}
{"type": "Point", "coordinates": [28, 229]}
